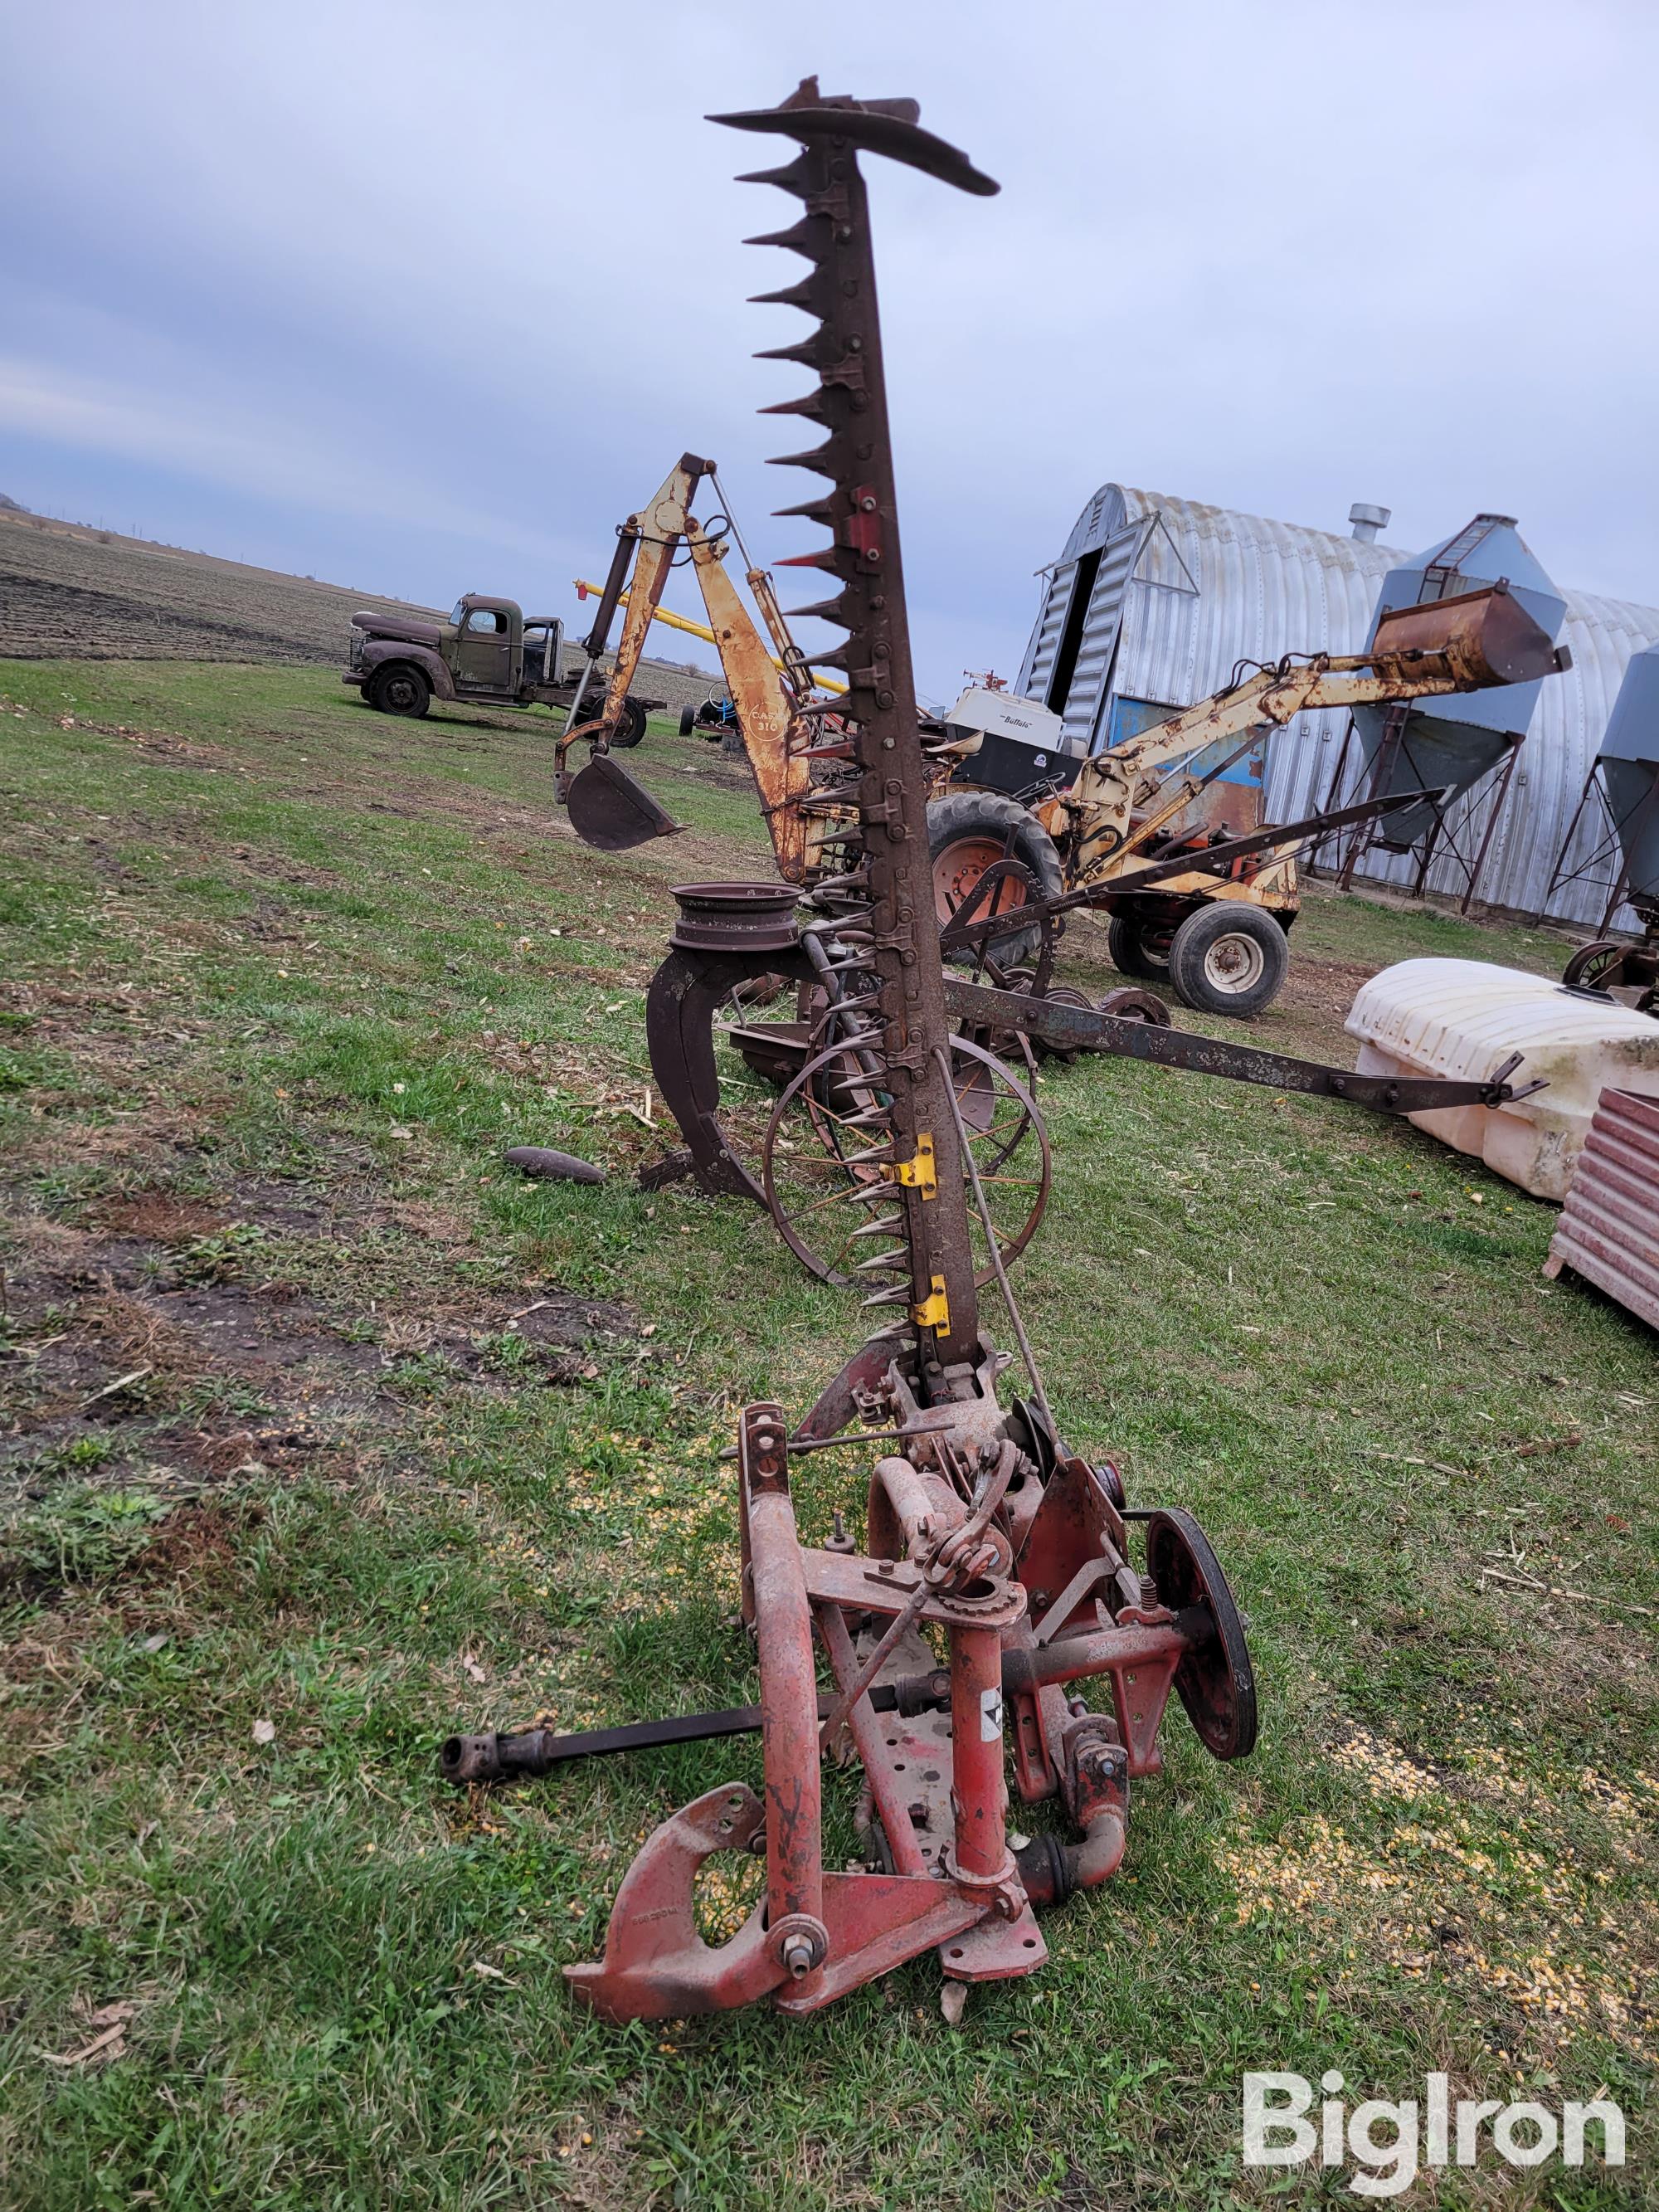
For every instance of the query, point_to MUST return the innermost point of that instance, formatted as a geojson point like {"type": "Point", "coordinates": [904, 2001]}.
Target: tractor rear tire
{"type": "Point", "coordinates": [630, 725]}
{"type": "Point", "coordinates": [398, 687]}
{"type": "Point", "coordinates": [969, 831]}
{"type": "Point", "coordinates": [1229, 958]}
{"type": "Point", "coordinates": [1136, 951]}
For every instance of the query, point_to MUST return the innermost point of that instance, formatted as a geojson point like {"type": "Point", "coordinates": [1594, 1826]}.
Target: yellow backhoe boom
{"type": "Point", "coordinates": [584, 589]}
{"type": "Point", "coordinates": [768, 696]}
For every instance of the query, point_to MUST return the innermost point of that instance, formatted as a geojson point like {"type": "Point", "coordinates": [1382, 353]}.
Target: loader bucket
{"type": "Point", "coordinates": [611, 809]}
{"type": "Point", "coordinates": [1478, 638]}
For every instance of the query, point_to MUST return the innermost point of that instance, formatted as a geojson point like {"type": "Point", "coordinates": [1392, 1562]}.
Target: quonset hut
{"type": "Point", "coordinates": [1155, 601]}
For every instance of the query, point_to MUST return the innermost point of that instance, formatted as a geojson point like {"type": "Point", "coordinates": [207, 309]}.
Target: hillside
{"type": "Point", "coordinates": [70, 592]}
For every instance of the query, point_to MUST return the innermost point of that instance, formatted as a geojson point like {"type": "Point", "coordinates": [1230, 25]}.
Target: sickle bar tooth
{"type": "Point", "coordinates": [799, 295]}
{"type": "Point", "coordinates": [800, 238]}
{"type": "Point", "coordinates": [884, 1263]}
{"type": "Point", "coordinates": [806, 352]}
{"type": "Point", "coordinates": [830, 610]}
{"type": "Point", "coordinates": [794, 176]}
{"type": "Point", "coordinates": [815, 510]}
{"type": "Point", "coordinates": [811, 404]}
{"type": "Point", "coordinates": [818, 460]}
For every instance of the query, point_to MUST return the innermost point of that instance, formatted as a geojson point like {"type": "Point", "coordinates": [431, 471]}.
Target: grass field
{"type": "Point", "coordinates": [325, 1434]}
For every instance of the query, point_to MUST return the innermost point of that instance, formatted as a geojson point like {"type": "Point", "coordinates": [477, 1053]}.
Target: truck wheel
{"type": "Point", "coordinates": [399, 688]}
{"type": "Point", "coordinates": [969, 831]}
{"type": "Point", "coordinates": [1137, 949]}
{"type": "Point", "coordinates": [1229, 958]}
{"type": "Point", "coordinates": [630, 725]}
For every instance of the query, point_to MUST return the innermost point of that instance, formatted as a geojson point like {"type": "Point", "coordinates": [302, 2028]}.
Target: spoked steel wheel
{"type": "Point", "coordinates": [832, 1193]}
{"type": "Point", "coordinates": [1595, 967]}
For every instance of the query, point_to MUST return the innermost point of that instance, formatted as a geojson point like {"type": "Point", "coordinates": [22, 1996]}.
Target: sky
{"type": "Point", "coordinates": [426, 297]}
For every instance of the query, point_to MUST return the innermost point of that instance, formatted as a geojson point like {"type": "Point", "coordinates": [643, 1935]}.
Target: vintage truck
{"type": "Point", "coordinates": [486, 651]}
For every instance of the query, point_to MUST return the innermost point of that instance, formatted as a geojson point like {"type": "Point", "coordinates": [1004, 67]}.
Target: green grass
{"type": "Point", "coordinates": [283, 977]}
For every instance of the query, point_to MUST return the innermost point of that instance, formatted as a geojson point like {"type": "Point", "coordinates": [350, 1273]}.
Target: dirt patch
{"type": "Point", "coordinates": [157, 1217]}
{"type": "Point", "coordinates": [1325, 988]}
{"type": "Point", "coordinates": [560, 1319]}
{"type": "Point", "coordinates": [250, 1330]}
{"type": "Point", "coordinates": [196, 1544]}
{"type": "Point", "coordinates": [143, 1340]}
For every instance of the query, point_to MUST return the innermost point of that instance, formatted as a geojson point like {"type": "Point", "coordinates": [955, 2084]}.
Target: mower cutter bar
{"type": "Point", "coordinates": [1081, 1028]}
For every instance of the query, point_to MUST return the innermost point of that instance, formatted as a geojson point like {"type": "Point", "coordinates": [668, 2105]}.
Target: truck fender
{"type": "Point", "coordinates": [378, 650]}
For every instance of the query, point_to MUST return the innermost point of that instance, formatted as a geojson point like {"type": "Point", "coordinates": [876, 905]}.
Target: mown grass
{"type": "Point", "coordinates": [306, 970]}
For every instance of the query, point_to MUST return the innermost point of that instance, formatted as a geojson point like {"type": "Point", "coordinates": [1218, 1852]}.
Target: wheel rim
{"type": "Point", "coordinates": [1593, 967]}
{"type": "Point", "coordinates": [1215, 1681]}
{"type": "Point", "coordinates": [1235, 964]}
{"type": "Point", "coordinates": [1155, 947]}
{"type": "Point", "coordinates": [402, 692]}
{"type": "Point", "coordinates": [959, 867]}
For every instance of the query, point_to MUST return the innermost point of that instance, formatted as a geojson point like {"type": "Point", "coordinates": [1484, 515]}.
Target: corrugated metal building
{"type": "Point", "coordinates": [1155, 601]}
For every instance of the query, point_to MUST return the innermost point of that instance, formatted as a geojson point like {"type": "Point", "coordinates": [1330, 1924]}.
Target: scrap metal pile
{"type": "Point", "coordinates": [983, 1527]}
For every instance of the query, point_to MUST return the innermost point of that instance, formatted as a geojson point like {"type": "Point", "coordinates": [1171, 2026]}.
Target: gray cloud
{"type": "Point", "coordinates": [428, 297]}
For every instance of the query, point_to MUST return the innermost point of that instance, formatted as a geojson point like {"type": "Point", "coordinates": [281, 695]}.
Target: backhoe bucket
{"type": "Point", "coordinates": [611, 809]}
{"type": "Point", "coordinates": [1478, 638]}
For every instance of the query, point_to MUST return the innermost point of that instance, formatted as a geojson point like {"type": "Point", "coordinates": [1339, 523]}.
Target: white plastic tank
{"type": "Point", "coordinates": [1464, 1018]}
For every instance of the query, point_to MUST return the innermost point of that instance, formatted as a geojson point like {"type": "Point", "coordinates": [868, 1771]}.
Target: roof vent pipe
{"type": "Point", "coordinates": [1368, 521]}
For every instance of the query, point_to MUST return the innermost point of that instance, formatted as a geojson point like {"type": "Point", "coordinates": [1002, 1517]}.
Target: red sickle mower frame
{"type": "Point", "coordinates": [984, 1533]}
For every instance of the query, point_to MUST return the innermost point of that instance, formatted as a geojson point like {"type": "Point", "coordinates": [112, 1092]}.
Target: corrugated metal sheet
{"type": "Point", "coordinates": [1608, 1232]}
{"type": "Point", "coordinates": [1212, 586]}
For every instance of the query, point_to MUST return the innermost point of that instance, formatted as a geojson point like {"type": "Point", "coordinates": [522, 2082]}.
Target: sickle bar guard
{"type": "Point", "coordinates": [986, 1538]}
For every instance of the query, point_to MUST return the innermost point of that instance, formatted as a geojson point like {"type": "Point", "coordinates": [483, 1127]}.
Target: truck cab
{"type": "Point", "coordinates": [483, 644]}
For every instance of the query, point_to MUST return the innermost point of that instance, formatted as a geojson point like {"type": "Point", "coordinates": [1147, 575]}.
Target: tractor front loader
{"type": "Point", "coordinates": [1215, 928]}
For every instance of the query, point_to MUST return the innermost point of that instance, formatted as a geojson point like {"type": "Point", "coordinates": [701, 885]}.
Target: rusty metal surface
{"type": "Point", "coordinates": [1478, 638]}
{"type": "Point", "coordinates": [769, 699]}
{"type": "Point", "coordinates": [734, 917]}
{"type": "Point", "coordinates": [1608, 1229]}
{"type": "Point", "coordinates": [612, 810]}
{"type": "Point", "coordinates": [684, 994]}
{"type": "Point", "coordinates": [859, 509]}
{"type": "Point", "coordinates": [1091, 1028]}
{"type": "Point", "coordinates": [776, 736]}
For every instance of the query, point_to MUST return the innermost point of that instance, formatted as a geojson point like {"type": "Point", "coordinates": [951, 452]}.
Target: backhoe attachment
{"type": "Point", "coordinates": [609, 807]}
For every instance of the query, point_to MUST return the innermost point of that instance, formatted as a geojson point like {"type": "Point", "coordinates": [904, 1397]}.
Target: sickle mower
{"type": "Point", "coordinates": [1002, 1571]}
